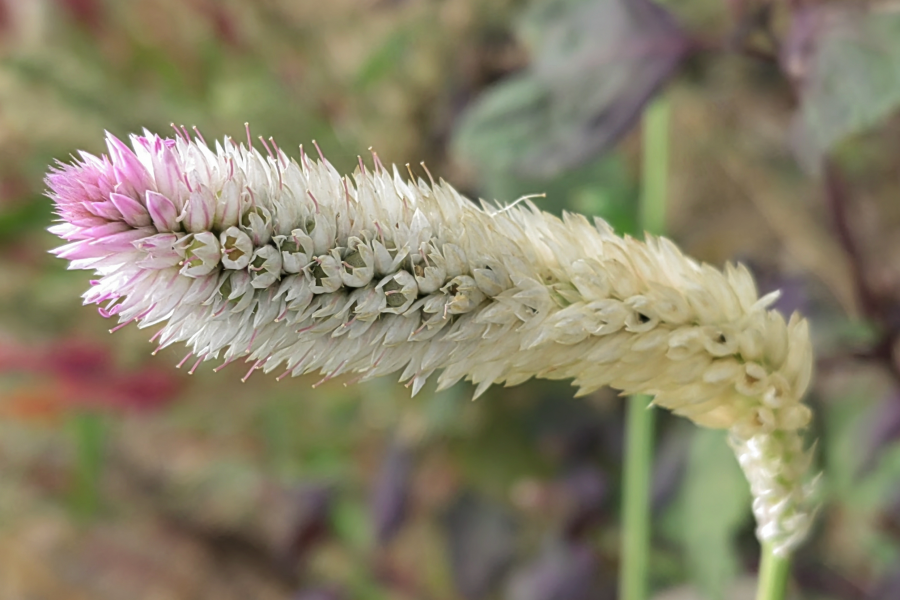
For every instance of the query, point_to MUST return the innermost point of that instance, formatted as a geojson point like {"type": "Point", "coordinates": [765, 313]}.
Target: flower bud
{"type": "Point", "coordinates": [202, 255]}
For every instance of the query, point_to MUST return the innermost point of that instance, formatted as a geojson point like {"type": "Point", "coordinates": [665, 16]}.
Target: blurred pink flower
{"type": "Point", "coordinates": [70, 374]}
{"type": "Point", "coordinates": [87, 13]}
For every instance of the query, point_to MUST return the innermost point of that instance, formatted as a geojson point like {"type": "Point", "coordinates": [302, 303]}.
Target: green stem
{"type": "Point", "coordinates": [89, 431]}
{"type": "Point", "coordinates": [633, 572]}
{"type": "Point", "coordinates": [655, 168]}
{"type": "Point", "coordinates": [773, 575]}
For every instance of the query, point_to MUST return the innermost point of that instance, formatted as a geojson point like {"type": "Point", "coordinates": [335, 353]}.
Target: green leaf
{"type": "Point", "coordinates": [603, 187]}
{"type": "Point", "coordinates": [847, 60]}
{"type": "Point", "coordinates": [24, 218]}
{"type": "Point", "coordinates": [863, 496]}
{"type": "Point", "coordinates": [843, 451]}
{"type": "Point", "coordinates": [383, 60]}
{"type": "Point", "coordinates": [595, 65]}
{"type": "Point", "coordinates": [715, 504]}
{"type": "Point", "coordinates": [506, 124]}
{"type": "Point", "coordinates": [350, 520]}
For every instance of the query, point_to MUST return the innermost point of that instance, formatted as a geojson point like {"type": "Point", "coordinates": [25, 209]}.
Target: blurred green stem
{"type": "Point", "coordinates": [633, 571]}
{"type": "Point", "coordinates": [773, 575]}
{"type": "Point", "coordinates": [655, 168]}
{"type": "Point", "coordinates": [90, 432]}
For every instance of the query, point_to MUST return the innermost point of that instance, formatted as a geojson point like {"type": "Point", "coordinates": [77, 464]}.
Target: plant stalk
{"type": "Point", "coordinates": [89, 433]}
{"type": "Point", "coordinates": [773, 575]}
{"type": "Point", "coordinates": [633, 569]}
{"type": "Point", "coordinates": [654, 168]}
{"type": "Point", "coordinates": [635, 550]}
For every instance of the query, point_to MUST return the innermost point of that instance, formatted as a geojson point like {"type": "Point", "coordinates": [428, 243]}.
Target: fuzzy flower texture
{"type": "Point", "coordinates": [294, 267]}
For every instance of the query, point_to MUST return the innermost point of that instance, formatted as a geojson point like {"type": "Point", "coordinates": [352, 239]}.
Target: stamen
{"type": "Point", "coordinates": [278, 151]}
{"type": "Point", "coordinates": [266, 146]}
{"type": "Point", "coordinates": [430, 178]}
{"type": "Point", "coordinates": [121, 325]}
{"type": "Point", "coordinates": [200, 136]}
{"type": "Point", "coordinates": [319, 150]}
{"type": "Point", "coordinates": [316, 202]}
{"type": "Point", "coordinates": [252, 369]}
{"type": "Point", "coordinates": [196, 364]}
{"type": "Point", "coordinates": [287, 371]}
{"type": "Point", "coordinates": [225, 364]}
{"type": "Point", "coordinates": [304, 160]}
{"type": "Point", "coordinates": [177, 130]}
{"type": "Point", "coordinates": [379, 167]}
{"type": "Point", "coordinates": [517, 202]}
{"type": "Point", "coordinates": [347, 193]}
{"type": "Point", "coordinates": [252, 339]}
{"type": "Point", "coordinates": [184, 360]}
{"type": "Point", "coordinates": [330, 376]}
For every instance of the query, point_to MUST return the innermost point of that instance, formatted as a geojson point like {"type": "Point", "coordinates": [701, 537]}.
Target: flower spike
{"type": "Point", "coordinates": [292, 265]}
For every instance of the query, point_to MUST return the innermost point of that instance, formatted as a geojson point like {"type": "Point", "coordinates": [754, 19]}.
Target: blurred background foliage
{"type": "Point", "coordinates": [122, 477]}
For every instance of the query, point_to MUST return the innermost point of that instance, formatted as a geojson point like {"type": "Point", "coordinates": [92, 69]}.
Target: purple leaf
{"type": "Point", "coordinates": [880, 427]}
{"type": "Point", "coordinates": [310, 523]}
{"type": "Point", "coordinates": [576, 442]}
{"type": "Point", "coordinates": [794, 292]}
{"type": "Point", "coordinates": [819, 579]}
{"type": "Point", "coordinates": [584, 490]}
{"type": "Point", "coordinates": [596, 63]}
{"type": "Point", "coordinates": [319, 593]}
{"type": "Point", "coordinates": [669, 464]}
{"type": "Point", "coordinates": [390, 500]}
{"type": "Point", "coordinates": [481, 540]}
{"type": "Point", "coordinates": [845, 63]}
{"type": "Point", "coordinates": [888, 588]}
{"type": "Point", "coordinates": [562, 572]}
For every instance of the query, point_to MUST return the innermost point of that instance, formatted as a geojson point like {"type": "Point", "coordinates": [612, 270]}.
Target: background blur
{"type": "Point", "coordinates": [122, 477]}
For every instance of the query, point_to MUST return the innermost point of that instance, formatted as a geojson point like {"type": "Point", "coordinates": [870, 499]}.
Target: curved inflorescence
{"type": "Point", "coordinates": [292, 266]}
